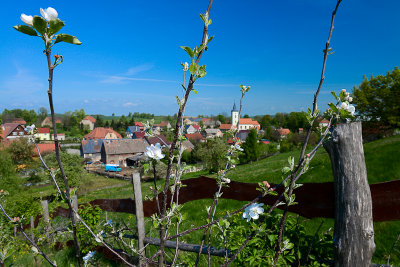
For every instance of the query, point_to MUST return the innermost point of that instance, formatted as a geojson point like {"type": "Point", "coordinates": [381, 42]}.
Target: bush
{"type": "Point", "coordinates": [260, 251]}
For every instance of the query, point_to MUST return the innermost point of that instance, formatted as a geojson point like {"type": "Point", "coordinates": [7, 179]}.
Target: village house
{"type": "Point", "coordinates": [47, 122]}
{"type": "Point", "coordinates": [10, 131]}
{"type": "Point", "coordinates": [212, 133]}
{"type": "Point", "coordinates": [160, 127]}
{"type": "Point", "coordinates": [88, 122]}
{"type": "Point", "coordinates": [282, 133]}
{"type": "Point", "coordinates": [243, 134]}
{"type": "Point", "coordinates": [44, 149]}
{"type": "Point", "coordinates": [60, 136]}
{"type": "Point", "coordinates": [141, 126]}
{"type": "Point", "coordinates": [138, 135]}
{"type": "Point", "coordinates": [131, 130]}
{"type": "Point", "coordinates": [187, 145]}
{"type": "Point", "coordinates": [102, 133]}
{"type": "Point", "coordinates": [119, 150]}
{"type": "Point", "coordinates": [323, 123]}
{"type": "Point", "coordinates": [159, 138]}
{"type": "Point", "coordinates": [91, 149]}
{"type": "Point", "coordinates": [195, 137]}
{"type": "Point", "coordinates": [43, 134]}
{"type": "Point", "coordinates": [191, 129]}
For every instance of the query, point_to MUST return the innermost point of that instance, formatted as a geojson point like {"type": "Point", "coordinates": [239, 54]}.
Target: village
{"type": "Point", "coordinates": [104, 146]}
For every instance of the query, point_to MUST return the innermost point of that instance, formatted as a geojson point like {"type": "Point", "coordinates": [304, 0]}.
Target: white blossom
{"type": "Point", "coordinates": [253, 211]}
{"type": "Point", "coordinates": [351, 109]}
{"type": "Point", "coordinates": [344, 105]}
{"type": "Point", "coordinates": [350, 99]}
{"type": "Point", "coordinates": [49, 13]}
{"type": "Point", "coordinates": [185, 66]}
{"type": "Point", "coordinates": [88, 257]}
{"type": "Point", "coordinates": [30, 129]}
{"type": "Point", "coordinates": [226, 180]}
{"type": "Point", "coordinates": [154, 152]}
{"type": "Point", "coordinates": [27, 19]}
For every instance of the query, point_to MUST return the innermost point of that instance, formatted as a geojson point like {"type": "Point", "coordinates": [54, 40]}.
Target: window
{"type": "Point", "coordinates": [21, 133]}
{"type": "Point", "coordinates": [14, 133]}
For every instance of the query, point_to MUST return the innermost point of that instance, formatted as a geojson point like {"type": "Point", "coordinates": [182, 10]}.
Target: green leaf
{"type": "Point", "coordinates": [40, 24]}
{"type": "Point", "coordinates": [333, 107]}
{"type": "Point", "coordinates": [67, 39]}
{"type": "Point", "coordinates": [334, 95]}
{"type": "Point", "coordinates": [202, 71]}
{"type": "Point", "coordinates": [210, 38]}
{"type": "Point", "coordinates": [193, 68]}
{"type": "Point", "coordinates": [189, 51]}
{"type": "Point", "coordinates": [285, 170]}
{"type": "Point", "coordinates": [26, 29]}
{"type": "Point", "coordinates": [56, 25]}
{"type": "Point", "coordinates": [194, 91]}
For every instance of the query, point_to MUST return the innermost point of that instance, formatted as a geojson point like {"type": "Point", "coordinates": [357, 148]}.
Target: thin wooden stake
{"type": "Point", "coordinates": [46, 216]}
{"type": "Point", "coordinates": [75, 205]}
{"type": "Point", "coordinates": [32, 227]}
{"type": "Point", "coordinates": [139, 214]}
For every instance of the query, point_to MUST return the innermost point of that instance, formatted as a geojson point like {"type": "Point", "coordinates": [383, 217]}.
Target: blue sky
{"type": "Point", "coordinates": [130, 57]}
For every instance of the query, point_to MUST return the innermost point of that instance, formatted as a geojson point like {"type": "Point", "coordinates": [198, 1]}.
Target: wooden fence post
{"type": "Point", "coordinates": [46, 216]}
{"type": "Point", "coordinates": [354, 230]}
{"type": "Point", "coordinates": [32, 228]}
{"type": "Point", "coordinates": [75, 206]}
{"type": "Point", "coordinates": [139, 214]}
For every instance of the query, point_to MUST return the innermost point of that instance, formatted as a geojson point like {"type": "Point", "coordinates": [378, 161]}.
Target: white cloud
{"type": "Point", "coordinates": [129, 104]}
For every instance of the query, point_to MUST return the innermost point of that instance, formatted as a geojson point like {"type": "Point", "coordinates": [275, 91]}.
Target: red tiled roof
{"type": "Point", "coordinates": [164, 123]}
{"type": "Point", "coordinates": [265, 142]}
{"type": "Point", "coordinates": [139, 135]}
{"type": "Point", "coordinates": [194, 136]}
{"type": "Point", "coordinates": [90, 118]}
{"type": "Point", "coordinates": [205, 119]}
{"type": "Point", "coordinates": [43, 130]}
{"type": "Point", "coordinates": [8, 128]}
{"type": "Point", "coordinates": [138, 123]}
{"type": "Point", "coordinates": [19, 120]}
{"type": "Point", "coordinates": [44, 149]}
{"type": "Point", "coordinates": [283, 131]}
{"type": "Point", "coordinates": [156, 139]}
{"type": "Point", "coordinates": [100, 133]}
{"type": "Point", "coordinates": [248, 121]}
{"type": "Point", "coordinates": [324, 121]}
{"type": "Point", "coordinates": [225, 126]}
{"type": "Point", "coordinates": [197, 127]}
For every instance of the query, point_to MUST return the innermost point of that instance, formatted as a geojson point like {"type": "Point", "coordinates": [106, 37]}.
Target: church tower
{"type": "Point", "coordinates": [234, 115]}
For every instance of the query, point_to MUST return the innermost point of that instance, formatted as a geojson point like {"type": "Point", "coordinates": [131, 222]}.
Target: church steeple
{"type": "Point", "coordinates": [234, 107]}
{"type": "Point", "coordinates": [234, 115]}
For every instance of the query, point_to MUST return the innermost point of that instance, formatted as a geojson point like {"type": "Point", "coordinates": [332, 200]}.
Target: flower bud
{"type": "Point", "coordinates": [267, 185]}
{"type": "Point", "coordinates": [343, 90]}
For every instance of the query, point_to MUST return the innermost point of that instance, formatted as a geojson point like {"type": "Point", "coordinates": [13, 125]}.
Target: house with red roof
{"type": "Point", "coordinates": [102, 133]}
{"type": "Point", "coordinates": [43, 134]}
{"type": "Point", "coordinates": [44, 149]}
{"type": "Point", "coordinates": [195, 137]}
{"type": "Point", "coordinates": [88, 122]}
{"type": "Point", "coordinates": [11, 131]}
{"type": "Point", "coordinates": [282, 132]}
{"type": "Point", "coordinates": [141, 126]}
{"type": "Point", "coordinates": [47, 122]}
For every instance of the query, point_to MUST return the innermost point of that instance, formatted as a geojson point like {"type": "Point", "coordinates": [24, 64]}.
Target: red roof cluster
{"type": "Point", "coordinates": [89, 118]}
{"type": "Point", "coordinates": [44, 149]}
{"type": "Point", "coordinates": [283, 131]}
{"type": "Point", "coordinates": [100, 133]}
{"type": "Point", "coordinates": [194, 136]}
{"type": "Point", "coordinates": [43, 130]}
{"type": "Point", "coordinates": [138, 123]}
{"type": "Point", "coordinates": [225, 126]}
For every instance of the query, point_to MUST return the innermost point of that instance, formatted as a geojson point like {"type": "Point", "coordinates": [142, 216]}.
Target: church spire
{"type": "Point", "coordinates": [234, 107]}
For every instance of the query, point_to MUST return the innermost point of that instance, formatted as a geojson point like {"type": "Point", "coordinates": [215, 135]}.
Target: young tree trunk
{"type": "Point", "coordinates": [354, 230]}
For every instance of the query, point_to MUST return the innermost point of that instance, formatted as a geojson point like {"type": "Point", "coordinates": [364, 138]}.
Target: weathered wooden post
{"type": "Point", "coordinates": [139, 214]}
{"type": "Point", "coordinates": [46, 216]}
{"type": "Point", "coordinates": [354, 230]}
{"type": "Point", "coordinates": [75, 205]}
{"type": "Point", "coordinates": [32, 228]}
